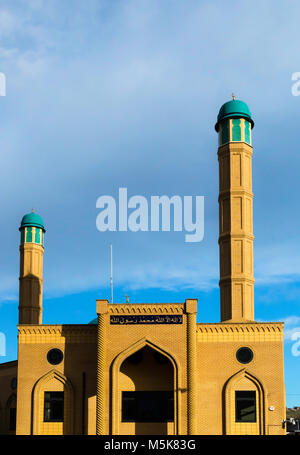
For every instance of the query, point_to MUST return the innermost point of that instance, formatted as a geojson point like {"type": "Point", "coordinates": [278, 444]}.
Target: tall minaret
{"type": "Point", "coordinates": [234, 126]}
{"type": "Point", "coordinates": [31, 269]}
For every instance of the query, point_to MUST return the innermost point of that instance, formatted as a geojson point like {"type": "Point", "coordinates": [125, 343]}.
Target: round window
{"type": "Point", "coordinates": [55, 356]}
{"type": "Point", "coordinates": [244, 355]}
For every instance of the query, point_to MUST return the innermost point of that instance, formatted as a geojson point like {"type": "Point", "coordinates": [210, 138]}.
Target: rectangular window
{"type": "Point", "coordinates": [247, 131]}
{"type": "Point", "coordinates": [148, 406]}
{"type": "Point", "coordinates": [245, 406]}
{"type": "Point", "coordinates": [225, 132]}
{"type": "Point", "coordinates": [12, 419]}
{"type": "Point", "coordinates": [37, 238]}
{"type": "Point", "coordinates": [236, 130]}
{"type": "Point", "coordinates": [54, 407]}
{"type": "Point", "coordinates": [29, 234]}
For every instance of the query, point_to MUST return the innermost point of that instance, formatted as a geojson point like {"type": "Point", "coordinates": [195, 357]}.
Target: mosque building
{"type": "Point", "coordinates": [151, 368]}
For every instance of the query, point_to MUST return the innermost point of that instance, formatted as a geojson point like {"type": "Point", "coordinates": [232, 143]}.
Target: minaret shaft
{"type": "Point", "coordinates": [31, 284]}
{"type": "Point", "coordinates": [31, 269]}
{"type": "Point", "coordinates": [236, 231]}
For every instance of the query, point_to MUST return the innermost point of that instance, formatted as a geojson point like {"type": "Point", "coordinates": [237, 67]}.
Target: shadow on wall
{"type": "Point", "coordinates": [80, 367]}
{"type": "Point", "coordinates": [146, 382]}
{"type": "Point", "coordinates": [75, 376]}
{"type": "Point", "coordinates": [30, 292]}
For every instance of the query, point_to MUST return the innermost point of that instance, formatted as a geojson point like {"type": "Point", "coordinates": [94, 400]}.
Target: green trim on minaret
{"type": "Point", "coordinates": [32, 219]}
{"type": "Point", "coordinates": [234, 109]}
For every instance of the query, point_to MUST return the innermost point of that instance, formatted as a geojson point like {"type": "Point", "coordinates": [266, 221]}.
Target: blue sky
{"type": "Point", "coordinates": [110, 94]}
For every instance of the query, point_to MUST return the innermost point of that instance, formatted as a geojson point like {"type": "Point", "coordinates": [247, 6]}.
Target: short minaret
{"type": "Point", "coordinates": [234, 126]}
{"type": "Point", "coordinates": [31, 269]}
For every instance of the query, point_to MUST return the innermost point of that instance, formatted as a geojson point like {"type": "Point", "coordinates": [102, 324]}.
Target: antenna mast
{"type": "Point", "coordinates": [111, 276]}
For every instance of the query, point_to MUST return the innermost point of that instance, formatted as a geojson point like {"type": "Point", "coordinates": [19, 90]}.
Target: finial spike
{"type": "Point", "coordinates": [233, 96]}
{"type": "Point", "coordinates": [32, 211]}
{"type": "Point", "coordinates": [127, 298]}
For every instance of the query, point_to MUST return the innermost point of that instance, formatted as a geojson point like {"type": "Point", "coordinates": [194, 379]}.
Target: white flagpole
{"type": "Point", "coordinates": [111, 275]}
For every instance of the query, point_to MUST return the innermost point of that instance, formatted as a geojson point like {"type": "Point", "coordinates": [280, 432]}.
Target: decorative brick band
{"type": "Point", "coordinates": [146, 308]}
{"type": "Point", "coordinates": [255, 327]}
{"type": "Point", "coordinates": [57, 333]}
{"type": "Point", "coordinates": [240, 332]}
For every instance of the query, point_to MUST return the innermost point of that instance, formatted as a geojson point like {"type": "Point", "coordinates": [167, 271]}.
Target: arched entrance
{"type": "Point", "coordinates": [145, 399]}
{"type": "Point", "coordinates": [10, 414]}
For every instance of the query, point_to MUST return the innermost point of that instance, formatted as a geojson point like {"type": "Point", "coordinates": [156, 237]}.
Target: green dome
{"type": "Point", "coordinates": [32, 219]}
{"type": "Point", "coordinates": [94, 321]}
{"type": "Point", "coordinates": [234, 109]}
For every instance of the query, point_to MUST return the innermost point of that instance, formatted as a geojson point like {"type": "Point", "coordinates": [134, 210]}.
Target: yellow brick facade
{"type": "Point", "coordinates": [209, 408]}
{"type": "Point", "coordinates": [157, 348]}
{"type": "Point", "coordinates": [36, 375]}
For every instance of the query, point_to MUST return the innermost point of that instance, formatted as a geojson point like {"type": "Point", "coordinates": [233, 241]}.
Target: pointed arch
{"type": "Point", "coordinates": [115, 369]}
{"type": "Point", "coordinates": [12, 398]}
{"type": "Point", "coordinates": [38, 398]}
{"type": "Point", "coordinates": [229, 402]}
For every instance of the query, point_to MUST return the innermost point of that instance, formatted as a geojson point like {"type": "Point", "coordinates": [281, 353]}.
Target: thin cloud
{"type": "Point", "coordinates": [114, 110]}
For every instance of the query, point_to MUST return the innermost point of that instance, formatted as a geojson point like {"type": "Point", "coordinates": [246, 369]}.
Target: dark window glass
{"type": "Point", "coordinates": [55, 356]}
{"type": "Point", "coordinates": [12, 419]}
{"type": "Point", "coordinates": [148, 406]}
{"type": "Point", "coordinates": [244, 355]}
{"type": "Point", "coordinates": [54, 407]}
{"type": "Point", "coordinates": [245, 406]}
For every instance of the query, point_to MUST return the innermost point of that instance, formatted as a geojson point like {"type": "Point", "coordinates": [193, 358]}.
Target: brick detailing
{"type": "Point", "coordinates": [67, 333]}
{"type": "Point", "coordinates": [31, 284]}
{"type": "Point", "coordinates": [142, 308]}
{"type": "Point", "coordinates": [192, 373]}
{"type": "Point", "coordinates": [236, 232]}
{"type": "Point", "coordinates": [255, 331]}
{"type": "Point", "coordinates": [101, 364]}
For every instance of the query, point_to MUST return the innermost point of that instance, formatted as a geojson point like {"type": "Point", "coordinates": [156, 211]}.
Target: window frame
{"type": "Point", "coordinates": [241, 399]}
{"type": "Point", "coordinates": [52, 420]}
{"type": "Point", "coordinates": [139, 394]}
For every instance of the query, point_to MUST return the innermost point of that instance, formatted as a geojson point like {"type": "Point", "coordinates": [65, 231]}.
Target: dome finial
{"type": "Point", "coordinates": [233, 96]}
{"type": "Point", "coordinates": [32, 211]}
